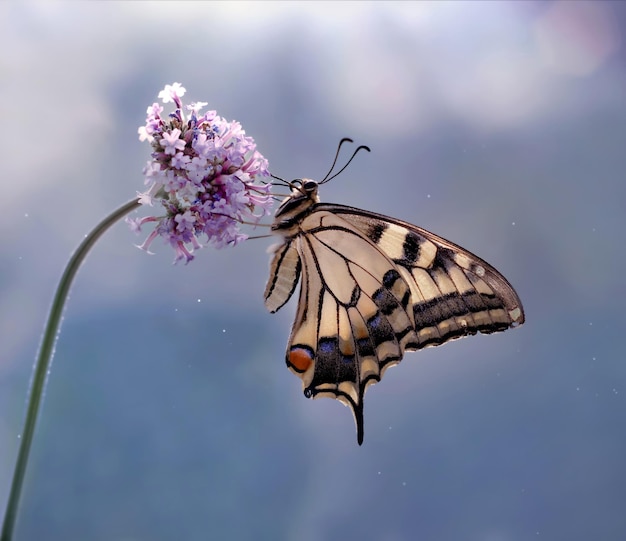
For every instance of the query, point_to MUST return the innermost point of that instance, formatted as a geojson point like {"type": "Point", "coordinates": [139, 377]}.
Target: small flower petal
{"type": "Point", "coordinates": [205, 173]}
{"type": "Point", "coordinates": [171, 141]}
{"type": "Point", "coordinates": [171, 92]}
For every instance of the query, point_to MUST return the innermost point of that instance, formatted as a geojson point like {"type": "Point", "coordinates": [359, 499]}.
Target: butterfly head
{"type": "Point", "coordinates": [304, 194]}
{"type": "Point", "coordinates": [303, 197]}
{"type": "Point", "coordinates": [304, 189]}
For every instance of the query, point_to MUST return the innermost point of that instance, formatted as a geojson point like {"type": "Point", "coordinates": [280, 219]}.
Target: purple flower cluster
{"type": "Point", "coordinates": [205, 173]}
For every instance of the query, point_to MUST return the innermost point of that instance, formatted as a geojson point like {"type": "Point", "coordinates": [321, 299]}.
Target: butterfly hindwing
{"type": "Point", "coordinates": [353, 318]}
{"type": "Point", "coordinates": [373, 287]}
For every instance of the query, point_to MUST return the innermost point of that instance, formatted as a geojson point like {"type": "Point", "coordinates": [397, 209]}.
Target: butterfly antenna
{"type": "Point", "coordinates": [344, 140]}
{"type": "Point", "coordinates": [362, 147]}
{"type": "Point", "coordinates": [281, 181]}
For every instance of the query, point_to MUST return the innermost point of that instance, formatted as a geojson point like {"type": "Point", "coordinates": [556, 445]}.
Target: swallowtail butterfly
{"type": "Point", "coordinates": [373, 287]}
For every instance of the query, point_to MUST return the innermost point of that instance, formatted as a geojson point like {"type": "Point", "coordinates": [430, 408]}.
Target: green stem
{"type": "Point", "coordinates": [43, 362]}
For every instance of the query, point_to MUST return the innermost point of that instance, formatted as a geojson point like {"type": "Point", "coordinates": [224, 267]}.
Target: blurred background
{"type": "Point", "coordinates": [169, 412]}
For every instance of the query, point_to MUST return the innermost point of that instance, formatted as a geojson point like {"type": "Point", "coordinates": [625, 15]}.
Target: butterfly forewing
{"type": "Point", "coordinates": [372, 288]}
{"type": "Point", "coordinates": [454, 292]}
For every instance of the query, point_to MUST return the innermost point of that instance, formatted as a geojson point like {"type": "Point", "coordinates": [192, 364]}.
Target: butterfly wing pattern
{"type": "Point", "coordinates": [373, 287]}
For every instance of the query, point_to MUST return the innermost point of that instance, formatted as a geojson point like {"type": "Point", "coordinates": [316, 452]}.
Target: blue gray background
{"type": "Point", "coordinates": [169, 412]}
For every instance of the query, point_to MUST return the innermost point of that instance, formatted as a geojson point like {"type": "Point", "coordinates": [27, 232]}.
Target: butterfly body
{"type": "Point", "coordinates": [373, 287]}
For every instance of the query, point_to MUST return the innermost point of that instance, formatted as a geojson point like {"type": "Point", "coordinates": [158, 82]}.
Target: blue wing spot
{"type": "Point", "coordinates": [385, 301]}
{"type": "Point", "coordinates": [380, 330]}
{"type": "Point", "coordinates": [327, 345]}
{"type": "Point", "coordinates": [375, 322]}
{"type": "Point", "coordinates": [364, 347]}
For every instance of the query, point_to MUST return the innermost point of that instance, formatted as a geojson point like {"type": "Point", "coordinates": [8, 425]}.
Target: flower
{"type": "Point", "coordinates": [205, 173]}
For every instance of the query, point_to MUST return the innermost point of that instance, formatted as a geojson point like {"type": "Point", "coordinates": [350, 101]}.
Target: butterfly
{"type": "Point", "coordinates": [373, 287]}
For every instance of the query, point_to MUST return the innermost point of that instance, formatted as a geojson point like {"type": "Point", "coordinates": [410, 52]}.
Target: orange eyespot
{"type": "Point", "coordinates": [300, 359]}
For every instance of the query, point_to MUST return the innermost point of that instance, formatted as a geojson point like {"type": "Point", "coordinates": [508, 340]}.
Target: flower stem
{"type": "Point", "coordinates": [43, 362]}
